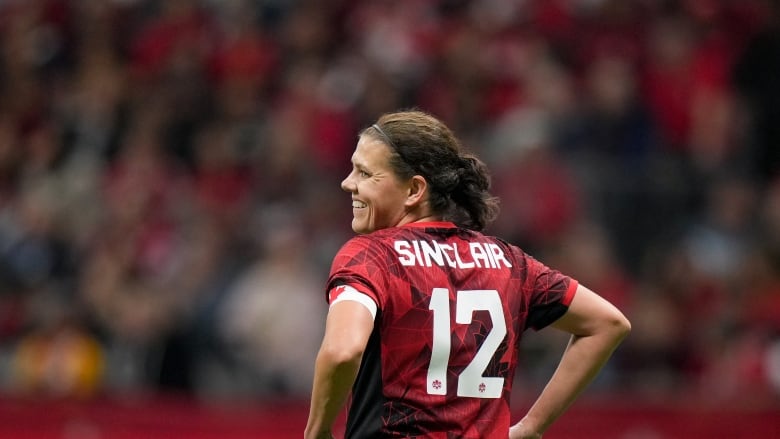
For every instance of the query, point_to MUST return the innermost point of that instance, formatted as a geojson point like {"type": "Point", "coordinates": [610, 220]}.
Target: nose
{"type": "Point", "coordinates": [348, 184]}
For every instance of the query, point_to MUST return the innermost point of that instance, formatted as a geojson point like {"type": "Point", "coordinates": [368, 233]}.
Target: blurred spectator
{"type": "Point", "coordinates": [273, 316]}
{"type": "Point", "coordinates": [222, 178]}
{"type": "Point", "coordinates": [757, 68]}
{"type": "Point", "coordinates": [244, 63]}
{"type": "Point", "coordinates": [59, 358]}
{"type": "Point", "coordinates": [717, 242]}
{"type": "Point", "coordinates": [169, 177]}
{"type": "Point", "coordinates": [539, 198]}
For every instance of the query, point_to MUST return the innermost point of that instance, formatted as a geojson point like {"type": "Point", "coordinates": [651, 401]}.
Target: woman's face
{"type": "Point", "coordinates": [378, 195]}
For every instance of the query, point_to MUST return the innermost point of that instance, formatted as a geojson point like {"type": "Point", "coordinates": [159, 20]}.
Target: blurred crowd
{"type": "Point", "coordinates": [169, 179]}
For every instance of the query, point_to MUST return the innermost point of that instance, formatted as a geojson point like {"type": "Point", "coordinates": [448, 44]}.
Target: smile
{"type": "Point", "coordinates": [358, 204]}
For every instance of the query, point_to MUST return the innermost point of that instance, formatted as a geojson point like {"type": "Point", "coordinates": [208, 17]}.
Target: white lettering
{"type": "Point", "coordinates": [428, 253]}
{"type": "Point", "coordinates": [490, 256]}
{"type": "Point", "coordinates": [446, 249]}
{"type": "Point", "coordinates": [416, 245]}
{"type": "Point", "coordinates": [459, 262]}
{"type": "Point", "coordinates": [480, 256]}
{"type": "Point", "coordinates": [431, 250]}
{"type": "Point", "coordinates": [406, 257]}
{"type": "Point", "coordinates": [498, 255]}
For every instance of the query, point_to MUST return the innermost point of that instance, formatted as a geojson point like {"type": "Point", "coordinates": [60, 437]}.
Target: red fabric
{"type": "Point", "coordinates": [413, 292]}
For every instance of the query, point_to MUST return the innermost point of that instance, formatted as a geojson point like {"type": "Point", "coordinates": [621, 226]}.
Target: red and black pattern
{"type": "Point", "coordinates": [390, 397]}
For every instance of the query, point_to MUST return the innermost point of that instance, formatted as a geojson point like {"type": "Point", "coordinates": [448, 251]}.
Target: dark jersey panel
{"type": "Point", "coordinates": [364, 419]}
{"type": "Point", "coordinates": [453, 304]}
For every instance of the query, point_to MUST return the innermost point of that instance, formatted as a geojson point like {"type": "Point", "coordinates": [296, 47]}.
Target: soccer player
{"type": "Point", "coordinates": [426, 312]}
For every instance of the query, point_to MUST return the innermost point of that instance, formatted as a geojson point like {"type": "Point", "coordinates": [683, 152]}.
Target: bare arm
{"type": "Point", "coordinates": [597, 328]}
{"type": "Point", "coordinates": [347, 329]}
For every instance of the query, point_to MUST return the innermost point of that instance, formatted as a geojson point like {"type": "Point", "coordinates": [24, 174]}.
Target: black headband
{"type": "Point", "coordinates": [386, 138]}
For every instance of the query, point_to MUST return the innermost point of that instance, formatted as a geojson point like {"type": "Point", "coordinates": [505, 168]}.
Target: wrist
{"type": "Point", "coordinates": [319, 435]}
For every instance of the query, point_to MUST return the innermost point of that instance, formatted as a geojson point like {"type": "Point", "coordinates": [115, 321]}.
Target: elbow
{"type": "Point", "coordinates": [620, 327]}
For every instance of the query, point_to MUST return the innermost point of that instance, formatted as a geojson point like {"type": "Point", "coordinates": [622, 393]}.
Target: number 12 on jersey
{"type": "Point", "coordinates": [471, 383]}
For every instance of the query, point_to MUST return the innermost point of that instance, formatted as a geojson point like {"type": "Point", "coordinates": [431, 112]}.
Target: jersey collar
{"type": "Point", "coordinates": [433, 224]}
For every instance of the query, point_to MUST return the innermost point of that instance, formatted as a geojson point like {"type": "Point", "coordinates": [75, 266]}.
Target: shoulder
{"type": "Point", "coordinates": [510, 248]}
{"type": "Point", "coordinates": [377, 239]}
{"type": "Point", "coordinates": [364, 242]}
{"type": "Point", "coordinates": [362, 246]}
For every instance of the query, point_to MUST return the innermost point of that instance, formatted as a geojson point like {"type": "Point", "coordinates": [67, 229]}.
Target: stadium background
{"type": "Point", "coordinates": [169, 198]}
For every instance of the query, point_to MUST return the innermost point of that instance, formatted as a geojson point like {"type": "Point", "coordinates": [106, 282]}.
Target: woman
{"type": "Point", "coordinates": [426, 312]}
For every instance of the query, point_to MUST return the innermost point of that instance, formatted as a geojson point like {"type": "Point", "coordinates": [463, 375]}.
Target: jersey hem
{"type": "Point", "coordinates": [570, 292]}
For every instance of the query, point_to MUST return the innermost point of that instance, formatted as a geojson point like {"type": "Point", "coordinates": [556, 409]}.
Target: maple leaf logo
{"type": "Point", "coordinates": [336, 292]}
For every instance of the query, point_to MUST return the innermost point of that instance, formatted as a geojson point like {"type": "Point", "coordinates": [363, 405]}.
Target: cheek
{"type": "Point", "coordinates": [388, 205]}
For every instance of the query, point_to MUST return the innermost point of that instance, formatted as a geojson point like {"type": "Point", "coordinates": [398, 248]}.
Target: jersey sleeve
{"type": "Point", "coordinates": [552, 293]}
{"type": "Point", "coordinates": [358, 264]}
{"type": "Point", "coordinates": [347, 293]}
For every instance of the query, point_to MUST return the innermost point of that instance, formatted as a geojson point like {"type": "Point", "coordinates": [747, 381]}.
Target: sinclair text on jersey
{"type": "Point", "coordinates": [428, 253]}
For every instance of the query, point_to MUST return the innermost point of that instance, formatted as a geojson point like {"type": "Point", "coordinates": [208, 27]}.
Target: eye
{"type": "Point", "coordinates": [363, 173]}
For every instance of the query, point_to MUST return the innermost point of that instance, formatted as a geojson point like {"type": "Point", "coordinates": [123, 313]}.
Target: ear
{"type": "Point", "coordinates": [417, 191]}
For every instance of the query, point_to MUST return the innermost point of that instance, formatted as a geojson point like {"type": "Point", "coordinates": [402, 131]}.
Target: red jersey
{"type": "Point", "coordinates": [452, 305]}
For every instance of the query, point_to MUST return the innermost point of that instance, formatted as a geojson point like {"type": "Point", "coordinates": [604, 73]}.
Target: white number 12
{"type": "Point", "coordinates": [471, 383]}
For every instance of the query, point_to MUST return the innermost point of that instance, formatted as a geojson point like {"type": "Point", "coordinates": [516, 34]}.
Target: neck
{"type": "Point", "coordinates": [428, 218]}
{"type": "Point", "coordinates": [409, 218]}
{"type": "Point", "coordinates": [418, 213]}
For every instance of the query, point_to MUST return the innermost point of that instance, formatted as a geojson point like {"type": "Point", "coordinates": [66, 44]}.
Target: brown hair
{"type": "Point", "coordinates": [459, 181]}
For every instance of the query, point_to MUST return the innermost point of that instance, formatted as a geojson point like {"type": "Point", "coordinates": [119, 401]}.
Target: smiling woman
{"type": "Point", "coordinates": [403, 334]}
{"type": "Point", "coordinates": [378, 195]}
{"type": "Point", "coordinates": [405, 155]}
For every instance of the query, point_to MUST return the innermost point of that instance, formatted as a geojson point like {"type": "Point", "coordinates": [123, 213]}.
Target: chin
{"type": "Point", "coordinates": [358, 228]}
